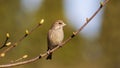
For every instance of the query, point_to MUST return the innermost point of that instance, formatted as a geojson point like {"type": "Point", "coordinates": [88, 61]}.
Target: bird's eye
{"type": "Point", "coordinates": [60, 23]}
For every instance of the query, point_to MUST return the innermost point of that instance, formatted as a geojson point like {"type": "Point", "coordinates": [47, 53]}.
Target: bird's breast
{"type": "Point", "coordinates": [56, 37]}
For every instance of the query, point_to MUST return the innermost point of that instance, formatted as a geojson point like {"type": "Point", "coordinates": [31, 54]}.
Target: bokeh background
{"type": "Point", "coordinates": [18, 15]}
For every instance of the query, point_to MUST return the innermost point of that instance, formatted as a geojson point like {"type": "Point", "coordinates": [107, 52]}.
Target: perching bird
{"type": "Point", "coordinates": [55, 36]}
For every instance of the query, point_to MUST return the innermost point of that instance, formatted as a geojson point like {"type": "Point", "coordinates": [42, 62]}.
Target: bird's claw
{"type": "Point", "coordinates": [48, 52]}
{"type": "Point", "coordinates": [60, 45]}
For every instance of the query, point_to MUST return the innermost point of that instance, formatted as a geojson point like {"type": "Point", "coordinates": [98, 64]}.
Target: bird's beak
{"type": "Point", "coordinates": [64, 24]}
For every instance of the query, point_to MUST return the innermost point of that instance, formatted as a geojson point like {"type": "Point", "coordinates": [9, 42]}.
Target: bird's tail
{"type": "Point", "coordinates": [49, 57]}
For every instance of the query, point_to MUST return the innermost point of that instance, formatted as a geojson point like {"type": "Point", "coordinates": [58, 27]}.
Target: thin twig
{"type": "Point", "coordinates": [23, 37]}
{"type": "Point", "coordinates": [61, 44]}
{"type": "Point", "coordinates": [19, 63]}
{"type": "Point", "coordinates": [6, 40]}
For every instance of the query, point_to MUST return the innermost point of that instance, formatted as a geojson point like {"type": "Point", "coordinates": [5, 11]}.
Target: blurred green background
{"type": "Point", "coordinates": [74, 54]}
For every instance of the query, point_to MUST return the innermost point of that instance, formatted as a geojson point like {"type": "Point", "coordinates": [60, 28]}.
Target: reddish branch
{"type": "Point", "coordinates": [61, 44]}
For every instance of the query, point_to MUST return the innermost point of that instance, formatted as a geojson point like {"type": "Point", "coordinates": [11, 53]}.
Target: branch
{"type": "Point", "coordinates": [2, 54]}
{"type": "Point", "coordinates": [6, 40]}
{"type": "Point", "coordinates": [61, 44]}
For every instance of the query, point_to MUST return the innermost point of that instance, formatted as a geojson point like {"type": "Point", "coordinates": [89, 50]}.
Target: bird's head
{"type": "Point", "coordinates": [58, 24]}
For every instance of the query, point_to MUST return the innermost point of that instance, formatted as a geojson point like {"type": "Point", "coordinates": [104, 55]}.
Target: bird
{"type": "Point", "coordinates": [55, 36]}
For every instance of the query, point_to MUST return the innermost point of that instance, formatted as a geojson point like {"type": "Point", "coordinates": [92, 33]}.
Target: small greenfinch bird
{"type": "Point", "coordinates": [55, 36]}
